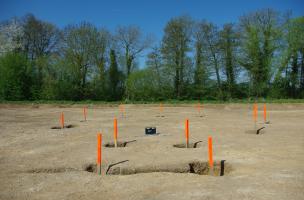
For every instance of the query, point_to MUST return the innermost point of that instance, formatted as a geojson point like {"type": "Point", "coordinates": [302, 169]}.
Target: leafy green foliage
{"type": "Point", "coordinates": [142, 85]}
{"type": "Point", "coordinates": [261, 56]}
{"type": "Point", "coordinates": [14, 77]}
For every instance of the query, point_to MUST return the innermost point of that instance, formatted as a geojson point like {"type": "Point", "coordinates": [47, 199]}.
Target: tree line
{"type": "Point", "coordinates": [262, 55]}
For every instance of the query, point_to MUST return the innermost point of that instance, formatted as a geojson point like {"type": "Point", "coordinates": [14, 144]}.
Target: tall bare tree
{"type": "Point", "coordinates": [100, 54]}
{"type": "Point", "coordinates": [211, 40]}
{"type": "Point", "coordinates": [39, 38]}
{"type": "Point", "coordinates": [80, 54]}
{"type": "Point", "coordinates": [229, 44]}
{"type": "Point", "coordinates": [132, 42]}
{"type": "Point", "coordinates": [154, 61]}
{"type": "Point", "coordinates": [201, 72]}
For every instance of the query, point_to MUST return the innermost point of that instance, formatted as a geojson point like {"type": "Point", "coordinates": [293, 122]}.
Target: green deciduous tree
{"type": "Point", "coordinates": [39, 40]}
{"type": "Point", "coordinates": [259, 41]}
{"type": "Point", "coordinates": [201, 71]}
{"type": "Point", "coordinates": [228, 45]}
{"type": "Point", "coordinates": [211, 41]}
{"type": "Point", "coordinates": [294, 56]}
{"type": "Point", "coordinates": [100, 52]}
{"type": "Point", "coordinates": [154, 61]}
{"type": "Point", "coordinates": [259, 56]}
{"type": "Point", "coordinates": [115, 78]}
{"type": "Point", "coordinates": [79, 53]}
{"type": "Point", "coordinates": [142, 85]}
{"type": "Point", "coordinates": [132, 42]}
{"type": "Point", "coordinates": [175, 46]}
{"type": "Point", "coordinates": [14, 77]}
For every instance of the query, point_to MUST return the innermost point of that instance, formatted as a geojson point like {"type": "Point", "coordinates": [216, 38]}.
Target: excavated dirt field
{"type": "Point", "coordinates": [39, 160]}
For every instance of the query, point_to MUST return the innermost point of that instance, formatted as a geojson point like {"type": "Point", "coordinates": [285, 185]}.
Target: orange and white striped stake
{"type": "Point", "coordinates": [85, 113]}
{"type": "Point", "coordinates": [62, 120]}
{"type": "Point", "coordinates": [99, 142]}
{"type": "Point", "coordinates": [187, 132]}
{"type": "Point", "coordinates": [255, 114]}
{"type": "Point", "coordinates": [115, 132]}
{"type": "Point", "coordinates": [210, 153]}
{"type": "Point", "coordinates": [265, 114]}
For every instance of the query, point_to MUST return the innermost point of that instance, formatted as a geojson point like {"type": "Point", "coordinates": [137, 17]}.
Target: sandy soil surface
{"type": "Point", "coordinates": [37, 162]}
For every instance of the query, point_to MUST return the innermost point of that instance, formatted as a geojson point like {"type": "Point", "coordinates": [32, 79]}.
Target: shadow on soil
{"type": "Point", "coordinates": [191, 145]}
{"type": "Point", "coordinates": [119, 144]}
{"type": "Point", "coordinates": [67, 126]}
{"type": "Point", "coordinates": [257, 131]}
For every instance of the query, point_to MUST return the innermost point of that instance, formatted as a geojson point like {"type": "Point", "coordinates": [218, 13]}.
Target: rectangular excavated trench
{"type": "Point", "coordinates": [220, 168]}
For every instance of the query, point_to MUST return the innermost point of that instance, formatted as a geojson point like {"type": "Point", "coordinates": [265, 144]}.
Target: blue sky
{"type": "Point", "coordinates": [151, 15]}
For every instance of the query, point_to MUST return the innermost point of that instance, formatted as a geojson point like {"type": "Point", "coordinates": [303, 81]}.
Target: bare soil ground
{"type": "Point", "coordinates": [37, 162]}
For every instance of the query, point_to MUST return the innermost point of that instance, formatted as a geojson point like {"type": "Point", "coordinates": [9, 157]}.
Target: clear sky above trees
{"type": "Point", "coordinates": [151, 16]}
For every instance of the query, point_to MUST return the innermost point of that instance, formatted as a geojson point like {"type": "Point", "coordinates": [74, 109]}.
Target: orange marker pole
{"type": "Point", "coordinates": [85, 113]}
{"type": "Point", "coordinates": [124, 111]}
{"type": "Point", "coordinates": [187, 132]}
{"type": "Point", "coordinates": [99, 142]}
{"type": "Point", "coordinates": [62, 120]}
{"type": "Point", "coordinates": [161, 109]}
{"type": "Point", "coordinates": [210, 153]}
{"type": "Point", "coordinates": [115, 132]}
{"type": "Point", "coordinates": [199, 109]}
{"type": "Point", "coordinates": [255, 114]}
{"type": "Point", "coordinates": [265, 114]}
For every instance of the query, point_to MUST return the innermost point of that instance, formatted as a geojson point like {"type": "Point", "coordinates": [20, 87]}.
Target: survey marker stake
{"type": "Point", "coordinates": [99, 142]}
{"type": "Point", "coordinates": [200, 109]}
{"type": "Point", "coordinates": [85, 113]}
{"type": "Point", "coordinates": [115, 132]}
{"type": "Point", "coordinates": [255, 115]}
{"type": "Point", "coordinates": [62, 120]}
{"type": "Point", "coordinates": [161, 110]}
{"type": "Point", "coordinates": [187, 132]}
{"type": "Point", "coordinates": [265, 115]}
{"type": "Point", "coordinates": [210, 154]}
